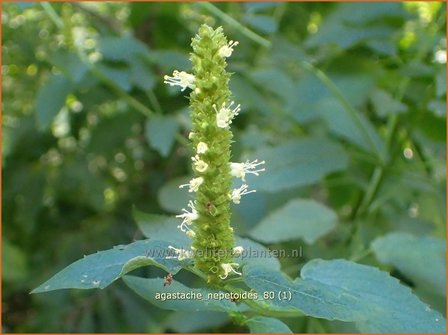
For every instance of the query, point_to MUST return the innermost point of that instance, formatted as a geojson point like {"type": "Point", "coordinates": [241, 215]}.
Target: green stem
{"type": "Point", "coordinates": [255, 305]}
{"type": "Point", "coordinates": [49, 10]}
{"type": "Point", "coordinates": [232, 22]}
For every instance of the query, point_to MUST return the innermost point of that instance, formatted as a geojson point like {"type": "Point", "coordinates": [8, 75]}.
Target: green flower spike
{"type": "Point", "coordinates": [207, 221]}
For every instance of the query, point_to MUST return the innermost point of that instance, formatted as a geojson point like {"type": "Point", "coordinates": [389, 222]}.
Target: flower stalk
{"type": "Point", "coordinates": [208, 220]}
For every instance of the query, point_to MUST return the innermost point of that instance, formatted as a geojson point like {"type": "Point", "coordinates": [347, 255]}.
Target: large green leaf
{"type": "Point", "coordinates": [346, 291]}
{"type": "Point", "coordinates": [174, 296]}
{"type": "Point", "coordinates": [299, 218]}
{"type": "Point", "coordinates": [101, 269]}
{"type": "Point", "coordinates": [51, 98]}
{"type": "Point", "coordinates": [298, 162]}
{"type": "Point", "coordinates": [265, 325]}
{"type": "Point", "coordinates": [421, 259]}
{"type": "Point", "coordinates": [160, 133]}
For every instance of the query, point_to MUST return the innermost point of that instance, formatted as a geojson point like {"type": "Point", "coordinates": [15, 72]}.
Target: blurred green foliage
{"type": "Point", "coordinates": [345, 101]}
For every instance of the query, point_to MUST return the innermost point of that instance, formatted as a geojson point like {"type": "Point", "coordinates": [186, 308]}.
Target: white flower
{"type": "Point", "coordinates": [182, 79]}
{"type": "Point", "coordinates": [187, 217]}
{"type": "Point", "coordinates": [228, 268]}
{"type": "Point", "coordinates": [199, 164]}
{"type": "Point", "coordinates": [226, 50]}
{"type": "Point", "coordinates": [225, 115]}
{"type": "Point", "coordinates": [238, 192]}
{"type": "Point", "coordinates": [181, 254]}
{"type": "Point", "coordinates": [191, 135]}
{"type": "Point", "coordinates": [239, 170]}
{"type": "Point", "coordinates": [193, 184]}
{"type": "Point", "coordinates": [238, 250]}
{"type": "Point", "coordinates": [202, 148]}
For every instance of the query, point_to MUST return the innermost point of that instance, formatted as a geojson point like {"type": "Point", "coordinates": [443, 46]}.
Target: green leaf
{"type": "Point", "coordinates": [342, 124]}
{"type": "Point", "coordinates": [70, 64]}
{"type": "Point", "coordinates": [265, 325]}
{"type": "Point", "coordinates": [255, 254]}
{"type": "Point", "coordinates": [170, 60]}
{"type": "Point", "coordinates": [173, 297]}
{"type": "Point", "coordinates": [121, 48]}
{"type": "Point", "coordinates": [160, 133]}
{"type": "Point", "coordinates": [298, 162]}
{"type": "Point", "coordinates": [101, 269]}
{"type": "Point", "coordinates": [120, 76]}
{"type": "Point", "coordinates": [280, 83]}
{"type": "Point", "coordinates": [141, 74]}
{"type": "Point", "coordinates": [193, 322]}
{"type": "Point", "coordinates": [352, 23]}
{"type": "Point", "coordinates": [421, 259]}
{"type": "Point", "coordinates": [346, 291]}
{"type": "Point", "coordinates": [305, 219]}
{"type": "Point", "coordinates": [385, 105]}
{"type": "Point", "coordinates": [171, 197]}
{"type": "Point", "coordinates": [51, 98]}
{"type": "Point", "coordinates": [161, 227]}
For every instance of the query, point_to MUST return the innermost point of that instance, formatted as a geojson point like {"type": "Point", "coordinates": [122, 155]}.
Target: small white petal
{"type": "Point", "coordinates": [199, 164]}
{"type": "Point", "coordinates": [226, 50]}
{"type": "Point", "coordinates": [240, 170]}
{"type": "Point", "coordinates": [202, 148]}
{"type": "Point", "coordinates": [238, 250]}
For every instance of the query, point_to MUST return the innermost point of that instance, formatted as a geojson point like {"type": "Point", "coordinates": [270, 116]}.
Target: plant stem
{"type": "Point", "coordinates": [345, 103]}
{"type": "Point", "coordinates": [49, 10]}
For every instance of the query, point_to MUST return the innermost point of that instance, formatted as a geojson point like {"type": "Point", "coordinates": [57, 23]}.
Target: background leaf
{"type": "Point", "coordinates": [51, 98]}
{"type": "Point", "coordinates": [160, 133]}
{"type": "Point", "coordinates": [421, 259]}
{"type": "Point", "coordinates": [298, 162]}
{"type": "Point", "coordinates": [299, 218]}
{"type": "Point", "coordinates": [348, 291]}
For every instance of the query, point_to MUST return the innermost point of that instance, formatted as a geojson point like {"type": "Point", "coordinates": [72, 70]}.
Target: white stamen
{"type": "Point", "coordinates": [187, 217]}
{"type": "Point", "coordinates": [228, 268]}
{"type": "Point", "coordinates": [239, 170]}
{"type": "Point", "coordinates": [193, 184]}
{"type": "Point", "coordinates": [238, 192]}
{"type": "Point", "coordinates": [181, 253]}
{"type": "Point", "coordinates": [225, 115]}
{"type": "Point", "coordinates": [182, 79]}
{"type": "Point", "coordinates": [226, 50]}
